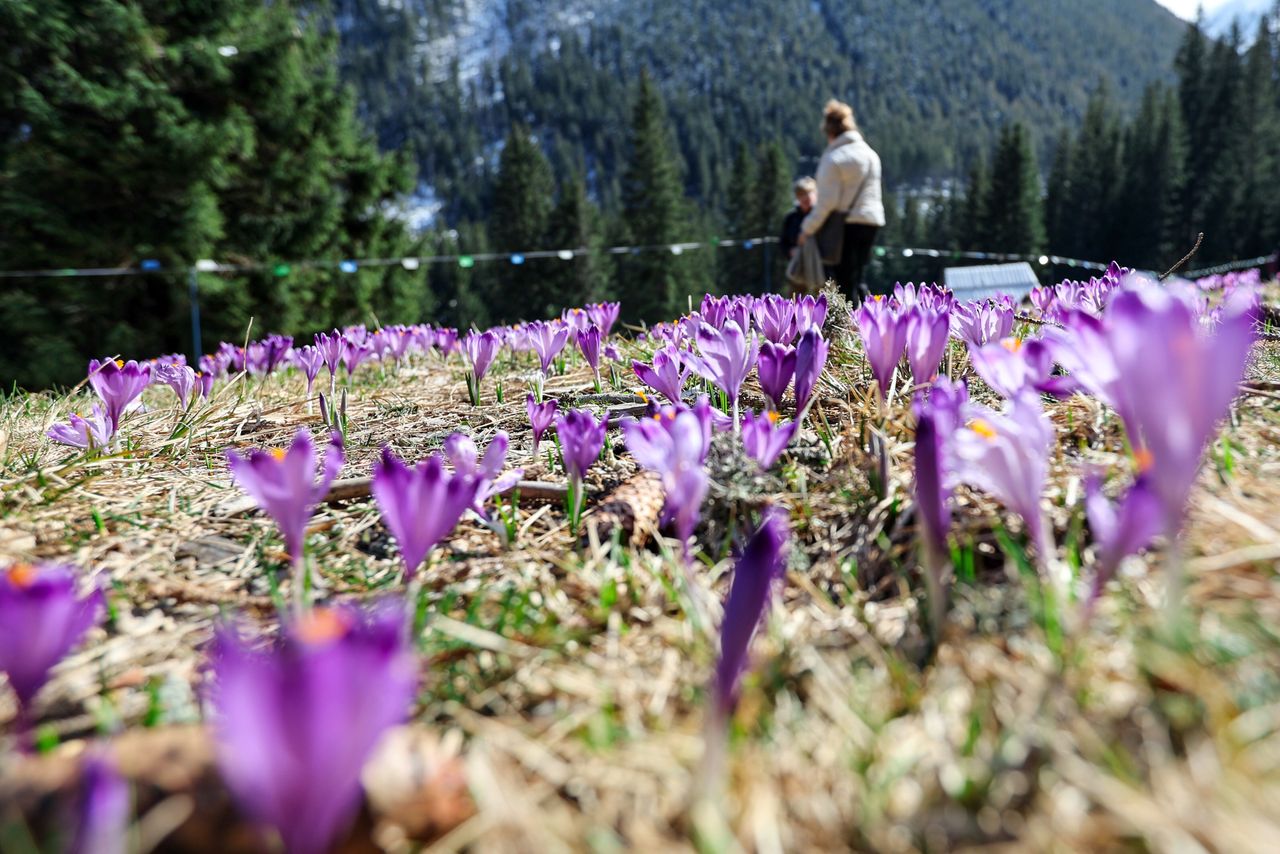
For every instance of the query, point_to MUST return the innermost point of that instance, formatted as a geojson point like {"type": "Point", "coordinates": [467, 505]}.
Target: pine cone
{"type": "Point", "coordinates": [634, 508]}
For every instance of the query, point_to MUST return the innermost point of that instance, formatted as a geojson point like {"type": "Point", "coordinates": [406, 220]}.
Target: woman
{"type": "Point", "coordinates": [848, 187]}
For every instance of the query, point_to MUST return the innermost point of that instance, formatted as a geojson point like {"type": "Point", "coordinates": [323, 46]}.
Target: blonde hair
{"type": "Point", "coordinates": [805, 185]}
{"type": "Point", "coordinates": [837, 118]}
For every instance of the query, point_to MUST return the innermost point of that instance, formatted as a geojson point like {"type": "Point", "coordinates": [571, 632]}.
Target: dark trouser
{"type": "Point", "coordinates": [856, 254]}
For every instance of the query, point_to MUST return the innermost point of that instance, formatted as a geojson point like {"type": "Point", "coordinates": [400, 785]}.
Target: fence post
{"type": "Point", "coordinates": [193, 294]}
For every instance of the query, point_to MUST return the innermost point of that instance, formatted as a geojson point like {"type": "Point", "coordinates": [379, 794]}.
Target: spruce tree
{"type": "Point", "coordinates": [740, 270]}
{"type": "Point", "coordinates": [1013, 214]}
{"type": "Point", "coordinates": [972, 231]}
{"type": "Point", "coordinates": [175, 132]}
{"type": "Point", "coordinates": [575, 224]}
{"type": "Point", "coordinates": [772, 201]}
{"type": "Point", "coordinates": [653, 214]}
{"type": "Point", "coordinates": [1058, 216]}
{"type": "Point", "coordinates": [522, 198]}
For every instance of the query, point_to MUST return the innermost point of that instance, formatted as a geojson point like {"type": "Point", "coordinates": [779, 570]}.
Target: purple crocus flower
{"type": "Point", "coordinates": [775, 369]}
{"type": "Point", "coordinates": [331, 347]}
{"type": "Point", "coordinates": [297, 722]}
{"type": "Point", "coordinates": [811, 312]}
{"type": "Point", "coordinates": [1119, 530]}
{"type": "Point", "coordinates": [674, 443]}
{"type": "Point", "coordinates": [1006, 454]}
{"type": "Point", "coordinates": [811, 358]}
{"type": "Point", "coordinates": [540, 417]}
{"type": "Point", "coordinates": [926, 341]}
{"type": "Point", "coordinates": [765, 437]}
{"type": "Point", "coordinates": [1011, 365]}
{"type": "Point", "coordinates": [309, 359]}
{"type": "Point", "coordinates": [284, 485]}
{"type": "Point", "coordinates": [581, 440]}
{"type": "Point", "coordinates": [761, 566]}
{"type": "Point", "coordinates": [204, 383]}
{"type": "Point", "coordinates": [604, 315]}
{"type": "Point", "coordinates": [589, 343]}
{"type": "Point", "coordinates": [727, 357]}
{"type": "Point", "coordinates": [180, 378]}
{"type": "Point", "coordinates": [667, 375]}
{"type": "Point", "coordinates": [937, 419]}
{"type": "Point", "coordinates": [119, 384]}
{"type": "Point", "coordinates": [883, 339]}
{"type": "Point", "coordinates": [420, 504]}
{"type": "Point", "coordinates": [446, 340]}
{"type": "Point", "coordinates": [548, 339]}
{"type": "Point", "coordinates": [41, 620]}
{"type": "Point", "coordinates": [462, 453]}
{"type": "Point", "coordinates": [355, 352]}
{"type": "Point", "coordinates": [979, 321]}
{"type": "Point", "coordinates": [102, 811]}
{"type": "Point", "coordinates": [1177, 381]}
{"type": "Point", "coordinates": [479, 349]}
{"type": "Point", "coordinates": [78, 432]}
{"type": "Point", "coordinates": [775, 317]}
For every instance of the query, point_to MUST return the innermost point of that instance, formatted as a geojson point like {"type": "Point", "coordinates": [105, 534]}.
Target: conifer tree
{"type": "Point", "coordinates": [232, 139]}
{"type": "Point", "coordinates": [575, 224]}
{"type": "Point", "coordinates": [972, 231]}
{"type": "Point", "coordinates": [740, 270]}
{"type": "Point", "coordinates": [522, 198]}
{"type": "Point", "coordinates": [653, 213]}
{"type": "Point", "coordinates": [772, 200]}
{"type": "Point", "coordinates": [1013, 214]}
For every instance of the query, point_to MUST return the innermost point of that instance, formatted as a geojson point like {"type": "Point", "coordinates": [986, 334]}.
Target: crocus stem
{"type": "Point", "coordinates": [737, 428]}
{"type": "Point", "coordinates": [298, 586]}
{"type": "Point", "coordinates": [715, 738]}
{"type": "Point", "coordinates": [935, 568]}
{"type": "Point", "coordinates": [577, 502]}
{"type": "Point", "coordinates": [1174, 613]}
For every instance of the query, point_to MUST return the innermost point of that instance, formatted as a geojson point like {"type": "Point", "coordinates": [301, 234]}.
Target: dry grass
{"type": "Point", "coordinates": [572, 680]}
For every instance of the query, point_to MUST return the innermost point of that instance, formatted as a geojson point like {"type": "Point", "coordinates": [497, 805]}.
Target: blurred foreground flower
{"type": "Point", "coordinates": [41, 619]}
{"type": "Point", "coordinates": [103, 810]}
{"type": "Point", "coordinates": [1006, 454]}
{"type": "Point", "coordinates": [1168, 377]}
{"type": "Point", "coordinates": [763, 562]}
{"type": "Point", "coordinates": [1119, 530]}
{"type": "Point", "coordinates": [296, 722]}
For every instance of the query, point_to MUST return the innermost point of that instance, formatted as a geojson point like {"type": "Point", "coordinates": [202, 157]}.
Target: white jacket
{"type": "Point", "coordinates": [847, 160]}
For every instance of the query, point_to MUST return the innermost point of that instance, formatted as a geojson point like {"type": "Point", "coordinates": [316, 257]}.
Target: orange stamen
{"type": "Point", "coordinates": [22, 575]}
{"type": "Point", "coordinates": [984, 429]}
{"type": "Point", "coordinates": [1143, 459]}
{"type": "Point", "coordinates": [1013, 345]}
{"type": "Point", "coordinates": [772, 416]}
{"type": "Point", "coordinates": [278, 453]}
{"type": "Point", "coordinates": [321, 626]}
{"type": "Point", "coordinates": [119, 363]}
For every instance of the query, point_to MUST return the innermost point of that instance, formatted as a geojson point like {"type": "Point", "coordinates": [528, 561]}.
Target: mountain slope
{"type": "Point", "coordinates": [932, 80]}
